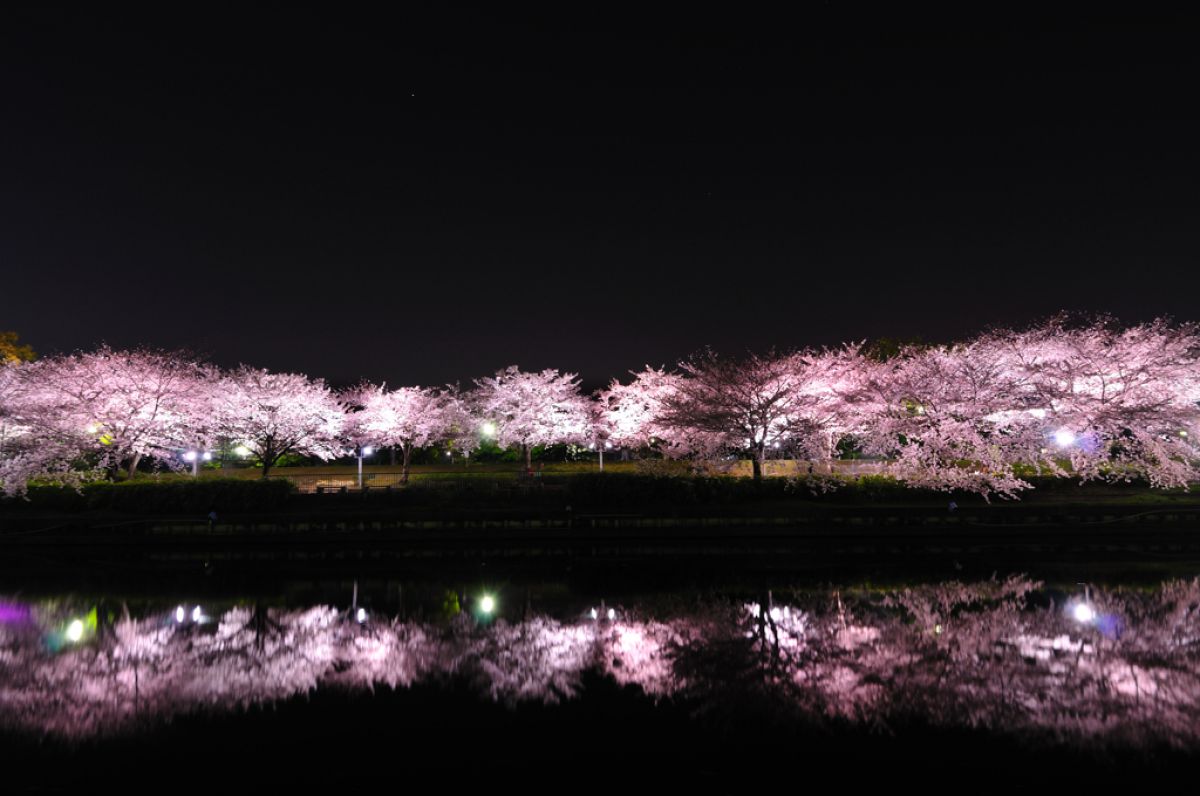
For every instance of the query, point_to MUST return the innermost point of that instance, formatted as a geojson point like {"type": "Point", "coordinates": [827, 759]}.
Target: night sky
{"type": "Point", "coordinates": [423, 199]}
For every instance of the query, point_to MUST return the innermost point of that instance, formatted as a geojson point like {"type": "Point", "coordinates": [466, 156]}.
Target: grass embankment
{"type": "Point", "coordinates": [501, 490]}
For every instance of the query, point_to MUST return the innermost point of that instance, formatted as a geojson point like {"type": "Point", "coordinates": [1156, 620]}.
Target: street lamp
{"type": "Point", "coordinates": [359, 453]}
{"type": "Point", "coordinates": [195, 457]}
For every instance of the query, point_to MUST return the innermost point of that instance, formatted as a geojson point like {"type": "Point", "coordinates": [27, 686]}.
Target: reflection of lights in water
{"type": "Point", "coordinates": [75, 630]}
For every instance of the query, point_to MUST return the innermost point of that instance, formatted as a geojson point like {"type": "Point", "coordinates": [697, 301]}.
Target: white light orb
{"type": "Point", "coordinates": [593, 614]}
{"type": "Point", "coordinates": [488, 429]}
{"type": "Point", "coordinates": [487, 604]}
{"type": "Point", "coordinates": [1083, 613]}
{"type": "Point", "coordinates": [611, 614]}
{"type": "Point", "coordinates": [75, 630]}
{"type": "Point", "coordinates": [196, 614]}
{"type": "Point", "coordinates": [207, 456]}
{"type": "Point", "coordinates": [190, 456]}
{"type": "Point", "coordinates": [1064, 437]}
{"type": "Point", "coordinates": [361, 615]}
{"type": "Point", "coordinates": [242, 450]}
{"type": "Point", "coordinates": [367, 451]}
{"type": "Point", "coordinates": [179, 614]}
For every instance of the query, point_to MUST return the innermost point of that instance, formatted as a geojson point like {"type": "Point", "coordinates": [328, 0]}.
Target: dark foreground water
{"type": "Point", "coordinates": [573, 686]}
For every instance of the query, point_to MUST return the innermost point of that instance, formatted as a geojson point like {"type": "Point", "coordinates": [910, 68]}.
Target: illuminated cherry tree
{"type": "Point", "coordinates": [408, 418]}
{"type": "Point", "coordinates": [126, 404]}
{"type": "Point", "coordinates": [275, 414]}
{"type": "Point", "coordinates": [629, 413]}
{"type": "Point", "coordinates": [1112, 403]}
{"type": "Point", "coordinates": [825, 403]}
{"type": "Point", "coordinates": [528, 409]}
{"type": "Point", "coordinates": [742, 404]}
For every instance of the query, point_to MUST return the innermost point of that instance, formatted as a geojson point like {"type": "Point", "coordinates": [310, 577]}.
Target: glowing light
{"type": "Point", "coordinates": [937, 630]}
{"type": "Point", "coordinates": [487, 604]}
{"type": "Point", "coordinates": [207, 456]}
{"type": "Point", "coordinates": [611, 614]}
{"type": "Point", "coordinates": [196, 615]}
{"type": "Point", "coordinates": [488, 429]}
{"type": "Point", "coordinates": [1083, 613]}
{"type": "Point", "coordinates": [593, 614]}
{"type": "Point", "coordinates": [920, 409]}
{"type": "Point", "coordinates": [361, 615]}
{"type": "Point", "coordinates": [242, 450]}
{"type": "Point", "coordinates": [1064, 437]}
{"type": "Point", "coordinates": [190, 456]}
{"type": "Point", "coordinates": [75, 630]}
{"type": "Point", "coordinates": [1183, 433]}
{"type": "Point", "coordinates": [448, 453]}
{"type": "Point", "coordinates": [367, 451]}
{"type": "Point", "coordinates": [179, 614]}
{"type": "Point", "coordinates": [93, 428]}
{"type": "Point", "coordinates": [608, 445]}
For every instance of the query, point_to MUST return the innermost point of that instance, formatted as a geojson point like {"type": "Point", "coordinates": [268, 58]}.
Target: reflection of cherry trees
{"type": "Point", "coordinates": [951, 655]}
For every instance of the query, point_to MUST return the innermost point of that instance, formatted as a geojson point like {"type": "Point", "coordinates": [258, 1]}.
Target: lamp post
{"type": "Point", "coordinates": [195, 457]}
{"type": "Point", "coordinates": [359, 452]}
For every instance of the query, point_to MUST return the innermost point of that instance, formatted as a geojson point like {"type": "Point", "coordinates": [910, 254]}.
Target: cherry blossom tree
{"type": "Point", "coordinates": [274, 414]}
{"type": "Point", "coordinates": [1113, 403]}
{"type": "Point", "coordinates": [408, 418]}
{"type": "Point", "coordinates": [630, 412]}
{"type": "Point", "coordinates": [129, 404]}
{"type": "Point", "coordinates": [746, 403]}
{"type": "Point", "coordinates": [825, 402]}
{"type": "Point", "coordinates": [528, 409]}
{"type": "Point", "coordinates": [27, 450]}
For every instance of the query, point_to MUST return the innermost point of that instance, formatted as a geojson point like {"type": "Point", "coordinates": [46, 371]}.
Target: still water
{"type": "Point", "coordinates": [1095, 665]}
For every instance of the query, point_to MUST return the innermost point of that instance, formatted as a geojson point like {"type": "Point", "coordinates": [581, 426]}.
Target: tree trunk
{"type": "Point", "coordinates": [133, 463]}
{"type": "Point", "coordinates": [266, 466]}
{"type": "Point", "coordinates": [407, 456]}
{"type": "Point", "coordinates": [757, 462]}
{"type": "Point", "coordinates": [528, 456]}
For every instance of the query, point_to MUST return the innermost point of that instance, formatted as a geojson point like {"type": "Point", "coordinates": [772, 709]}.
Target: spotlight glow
{"type": "Point", "coordinates": [190, 456]}
{"type": "Point", "coordinates": [196, 614]}
{"type": "Point", "coordinates": [179, 614]}
{"type": "Point", "coordinates": [1083, 613]}
{"type": "Point", "coordinates": [367, 451]}
{"type": "Point", "coordinates": [487, 604]}
{"type": "Point", "coordinates": [1064, 437]}
{"type": "Point", "coordinates": [611, 614]}
{"type": "Point", "coordinates": [75, 630]}
{"type": "Point", "coordinates": [361, 615]}
{"type": "Point", "coordinates": [488, 429]}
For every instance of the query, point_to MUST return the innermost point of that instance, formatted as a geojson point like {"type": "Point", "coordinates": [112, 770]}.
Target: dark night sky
{"type": "Point", "coordinates": [422, 199]}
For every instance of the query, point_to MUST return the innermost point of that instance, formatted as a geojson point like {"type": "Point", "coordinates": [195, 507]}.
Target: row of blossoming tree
{"type": "Point", "coordinates": [1090, 400]}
